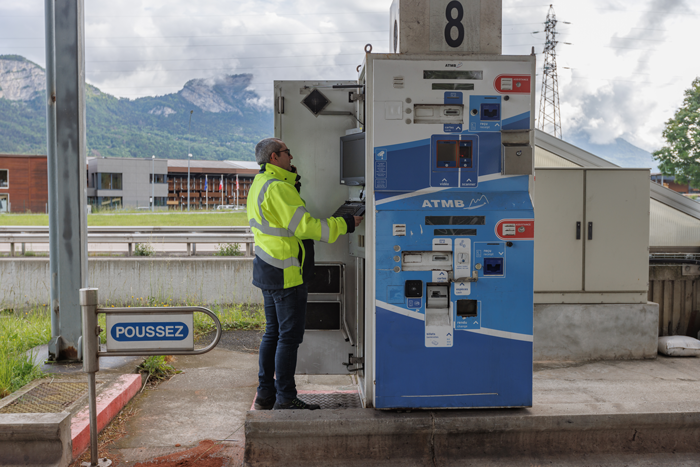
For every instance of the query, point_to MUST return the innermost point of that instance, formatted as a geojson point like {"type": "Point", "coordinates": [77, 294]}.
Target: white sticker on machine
{"type": "Point", "coordinates": [399, 230]}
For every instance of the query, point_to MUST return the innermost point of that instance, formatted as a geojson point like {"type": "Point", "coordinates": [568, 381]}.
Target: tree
{"type": "Point", "coordinates": [681, 155]}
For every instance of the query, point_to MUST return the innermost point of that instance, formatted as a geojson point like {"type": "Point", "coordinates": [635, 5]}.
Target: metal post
{"type": "Point", "coordinates": [189, 156]}
{"type": "Point", "coordinates": [91, 365]}
{"type": "Point", "coordinates": [153, 185]}
{"type": "Point", "coordinates": [52, 207]}
{"type": "Point", "coordinates": [70, 170]}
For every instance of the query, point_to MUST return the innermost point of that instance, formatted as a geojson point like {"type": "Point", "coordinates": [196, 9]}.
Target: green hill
{"type": "Point", "coordinates": [226, 124]}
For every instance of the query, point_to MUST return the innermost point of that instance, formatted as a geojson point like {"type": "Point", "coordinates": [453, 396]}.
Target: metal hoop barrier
{"type": "Point", "coordinates": [174, 310]}
{"type": "Point", "coordinates": [157, 326]}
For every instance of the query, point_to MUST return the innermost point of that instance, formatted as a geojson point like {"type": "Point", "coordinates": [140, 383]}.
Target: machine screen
{"type": "Point", "coordinates": [353, 160]}
{"type": "Point", "coordinates": [455, 220]}
{"type": "Point", "coordinates": [453, 86]}
{"type": "Point", "coordinates": [453, 74]}
{"type": "Point", "coordinates": [447, 154]}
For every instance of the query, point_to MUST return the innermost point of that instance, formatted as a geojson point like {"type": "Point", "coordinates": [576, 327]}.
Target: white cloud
{"type": "Point", "coordinates": [623, 75]}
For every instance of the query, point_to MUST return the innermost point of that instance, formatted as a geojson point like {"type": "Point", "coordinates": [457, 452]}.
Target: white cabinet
{"type": "Point", "coordinates": [591, 235]}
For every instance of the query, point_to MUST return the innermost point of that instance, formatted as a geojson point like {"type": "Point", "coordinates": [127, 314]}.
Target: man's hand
{"type": "Point", "coordinates": [358, 220]}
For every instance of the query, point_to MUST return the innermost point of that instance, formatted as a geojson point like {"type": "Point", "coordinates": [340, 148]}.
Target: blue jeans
{"type": "Point", "coordinates": [285, 312]}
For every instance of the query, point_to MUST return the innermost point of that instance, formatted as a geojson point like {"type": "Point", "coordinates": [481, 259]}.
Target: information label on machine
{"type": "Point", "coordinates": [440, 276]}
{"type": "Point", "coordinates": [442, 244]}
{"type": "Point", "coordinates": [462, 258]}
{"type": "Point", "coordinates": [415, 302]}
{"type": "Point", "coordinates": [439, 327]}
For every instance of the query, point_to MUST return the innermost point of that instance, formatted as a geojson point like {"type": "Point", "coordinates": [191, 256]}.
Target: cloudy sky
{"type": "Point", "coordinates": [622, 73]}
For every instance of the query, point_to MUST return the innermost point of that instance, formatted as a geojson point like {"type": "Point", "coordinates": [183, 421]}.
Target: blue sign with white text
{"type": "Point", "coordinates": [159, 331]}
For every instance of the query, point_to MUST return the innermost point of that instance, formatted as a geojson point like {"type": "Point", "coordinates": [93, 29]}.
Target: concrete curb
{"type": "Point", "coordinates": [109, 402]}
{"type": "Point", "coordinates": [39, 439]}
{"type": "Point", "coordinates": [346, 437]}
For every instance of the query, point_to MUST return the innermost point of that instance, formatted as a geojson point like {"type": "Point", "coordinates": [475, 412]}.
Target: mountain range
{"type": "Point", "coordinates": [226, 123]}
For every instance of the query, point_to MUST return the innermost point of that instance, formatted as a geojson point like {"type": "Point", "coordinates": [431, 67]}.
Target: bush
{"type": "Point", "coordinates": [229, 249]}
{"type": "Point", "coordinates": [158, 367]}
{"type": "Point", "coordinates": [144, 249]}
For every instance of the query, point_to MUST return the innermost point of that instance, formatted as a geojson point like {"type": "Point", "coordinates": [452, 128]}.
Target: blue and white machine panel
{"type": "Point", "coordinates": [454, 243]}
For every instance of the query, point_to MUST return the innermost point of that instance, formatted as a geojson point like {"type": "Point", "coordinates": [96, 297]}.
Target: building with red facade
{"type": "Point", "coordinates": [23, 183]}
{"type": "Point", "coordinates": [116, 183]}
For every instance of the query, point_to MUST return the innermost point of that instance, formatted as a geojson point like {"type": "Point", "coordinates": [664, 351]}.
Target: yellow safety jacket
{"type": "Point", "coordinates": [279, 221]}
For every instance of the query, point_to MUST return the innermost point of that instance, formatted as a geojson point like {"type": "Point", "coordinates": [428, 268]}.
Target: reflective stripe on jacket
{"type": "Point", "coordinates": [279, 221]}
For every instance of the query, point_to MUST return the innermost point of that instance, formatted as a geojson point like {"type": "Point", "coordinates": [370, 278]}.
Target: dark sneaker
{"type": "Point", "coordinates": [296, 404]}
{"type": "Point", "coordinates": [264, 404]}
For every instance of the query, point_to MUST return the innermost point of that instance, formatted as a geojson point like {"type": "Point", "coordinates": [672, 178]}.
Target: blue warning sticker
{"type": "Point", "coordinates": [380, 154]}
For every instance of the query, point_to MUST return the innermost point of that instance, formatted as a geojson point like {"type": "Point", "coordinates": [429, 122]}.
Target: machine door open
{"type": "Point", "coordinates": [311, 117]}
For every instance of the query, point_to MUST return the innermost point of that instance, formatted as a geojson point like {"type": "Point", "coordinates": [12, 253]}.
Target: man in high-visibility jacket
{"type": "Point", "coordinates": [284, 232]}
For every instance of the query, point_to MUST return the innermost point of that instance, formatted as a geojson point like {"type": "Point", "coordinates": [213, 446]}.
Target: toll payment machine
{"type": "Point", "coordinates": [430, 302]}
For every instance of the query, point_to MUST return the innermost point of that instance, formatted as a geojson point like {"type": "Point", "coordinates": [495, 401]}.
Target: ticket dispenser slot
{"type": "Point", "coordinates": [437, 305]}
{"type": "Point", "coordinates": [438, 315]}
{"type": "Point", "coordinates": [427, 261]}
{"type": "Point", "coordinates": [437, 296]}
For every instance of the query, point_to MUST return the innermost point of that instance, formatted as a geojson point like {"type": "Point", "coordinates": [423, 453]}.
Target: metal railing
{"type": "Point", "coordinates": [133, 235]}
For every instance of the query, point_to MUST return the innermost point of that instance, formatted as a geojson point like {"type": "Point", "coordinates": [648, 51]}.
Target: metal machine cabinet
{"type": "Point", "coordinates": [311, 116]}
{"type": "Point", "coordinates": [435, 148]}
{"type": "Point", "coordinates": [591, 235]}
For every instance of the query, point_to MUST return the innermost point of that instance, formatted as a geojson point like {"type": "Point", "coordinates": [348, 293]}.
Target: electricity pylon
{"type": "Point", "coordinates": [549, 117]}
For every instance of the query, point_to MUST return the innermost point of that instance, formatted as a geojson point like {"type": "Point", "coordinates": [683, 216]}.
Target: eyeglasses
{"type": "Point", "coordinates": [287, 151]}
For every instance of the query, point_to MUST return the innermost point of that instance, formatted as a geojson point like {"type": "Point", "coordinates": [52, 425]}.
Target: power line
{"type": "Point", "coordinates": [237, 15]}
{"type": "Point", "coordinates": [232, 58]}
{"type": "Point", "coordinates": [216, 58]}
{"type": "Point", "coordinates": [189, 37]}
{"type": "Point", "coordinates": [259, 67]}
{"type": "Point", "coordinates": [203, 45]}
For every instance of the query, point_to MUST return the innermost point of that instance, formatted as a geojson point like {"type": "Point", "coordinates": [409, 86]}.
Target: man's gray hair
{"type": "Point", "coordinates": [265, 148]}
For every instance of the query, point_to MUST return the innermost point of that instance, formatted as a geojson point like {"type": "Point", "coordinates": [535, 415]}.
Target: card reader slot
{"type": "Point", "coordinates": [426, 260]}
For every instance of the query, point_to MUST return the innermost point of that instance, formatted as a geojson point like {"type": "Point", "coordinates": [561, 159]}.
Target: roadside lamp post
{"type": "Point", "coordinates": [188, 181]}
{"type": "Point", "coordinates": [153, 185]}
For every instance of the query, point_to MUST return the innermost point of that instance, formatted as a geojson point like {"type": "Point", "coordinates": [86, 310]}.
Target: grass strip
{"type": "Point", "coordinates": [20, 332]}
{"type": "Point", "coordinates": [236, 316]}
{"type": "Point", "coordinates": [121, 219]}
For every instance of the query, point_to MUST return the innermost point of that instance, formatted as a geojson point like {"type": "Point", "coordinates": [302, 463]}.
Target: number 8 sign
{"type": "Point", "coordinates": [451, 30]}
